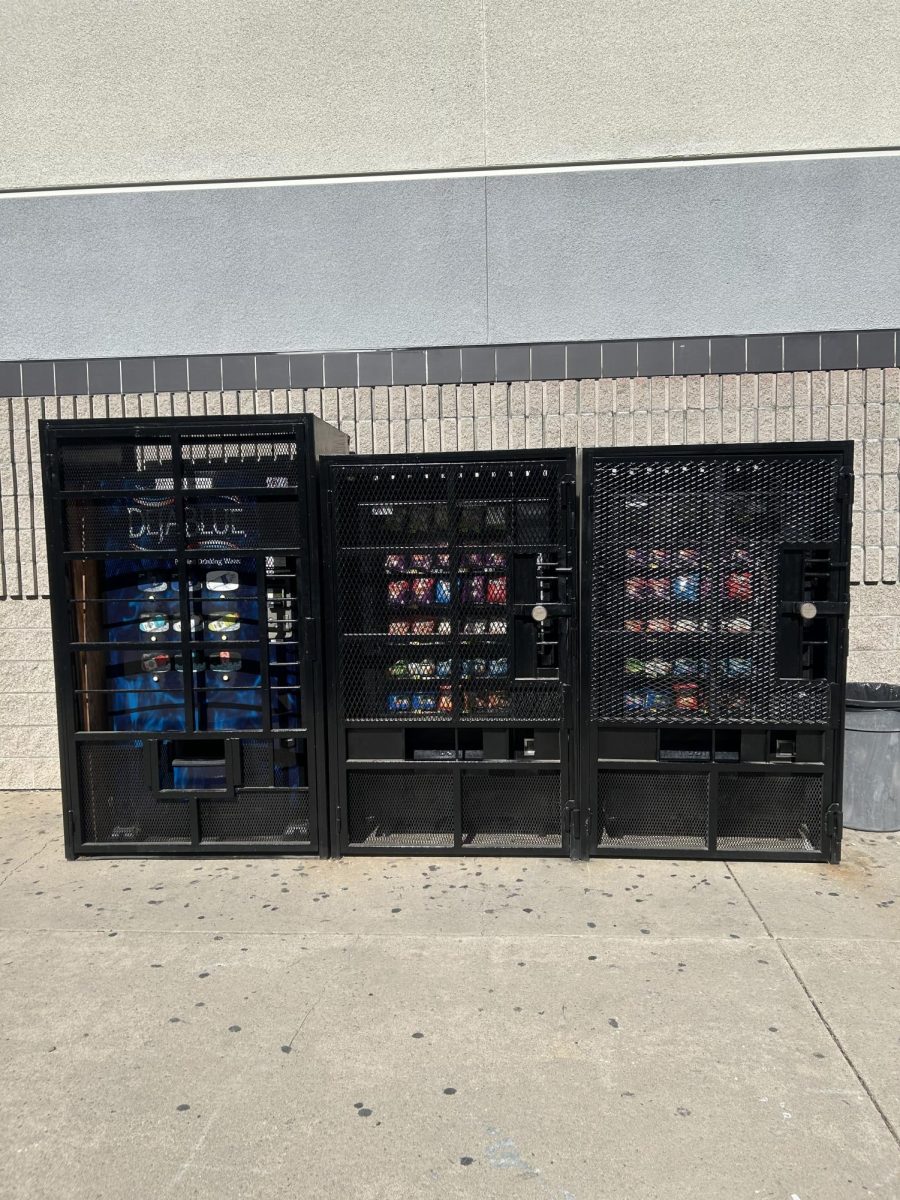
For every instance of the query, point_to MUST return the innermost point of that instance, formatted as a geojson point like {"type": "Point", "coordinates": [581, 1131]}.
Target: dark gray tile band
{"type": "Point", "coordinates": [830, 351]}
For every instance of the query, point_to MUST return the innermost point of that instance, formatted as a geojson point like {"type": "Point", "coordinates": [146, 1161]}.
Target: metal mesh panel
{"type": "Point", "coordinates": [129, 466]}
{"type": "Point", "coordinates": [431, 562]}
{"type": "Point", "coordinates": [256, 763]}
{"type": "Point", "coordinates": [770, 813]}
{"type": "Point", "coordinates": [229, 522]}
{"type": "Point", "coordinates": [140, 522]}
{"type": "Point", "coordinates": [257, 816]}
{"type": "Point", "coordinates": [684, 592]}
{"type": "Point", "coordinates": [240, 461]}
{"type": "Point", "coordinates": [116, 804]}
{"type": "Point", "coordinates": [399, 809]}
{"type": "Point", "coordinates": [649, 810]}
{"type": "Point", "coordinates": [512, 809]}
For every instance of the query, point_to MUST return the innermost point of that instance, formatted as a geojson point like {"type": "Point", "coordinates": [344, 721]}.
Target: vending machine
{"type": "Point", "coordinates": [714, 640]}
{"type": "Point", "coordinates": [451, 651]}
{"type": "Point", "coordinates": [184, 582]}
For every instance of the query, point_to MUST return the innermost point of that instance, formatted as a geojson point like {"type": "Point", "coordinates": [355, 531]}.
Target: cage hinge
{"type": "Point", "coordinates": [573, 820]}
{"type": "Point", "coordinates": [834, 823]}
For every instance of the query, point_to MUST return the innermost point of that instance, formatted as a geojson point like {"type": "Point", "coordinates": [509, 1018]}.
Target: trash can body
{"type": "Point", "coordinates": [872, 758]}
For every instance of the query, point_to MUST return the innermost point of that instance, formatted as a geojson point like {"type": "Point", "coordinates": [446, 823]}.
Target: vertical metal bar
{"type": "Point", "coordinates": [262, 600]}
{"type": "Point", "coordinates": [184, 599]}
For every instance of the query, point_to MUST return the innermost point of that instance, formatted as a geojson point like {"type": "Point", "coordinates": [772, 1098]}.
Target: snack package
{"type": "Point", "coordinates": [398, 628]}
{"type": "Point", "coordinates": [687, 697]}
{"type": "Point", "coordinates": [498, 666]}
{"type": "Point", "coordinates": [738, 585]}
{"type": "Point", "coordinates": [736, 625]}
{"type": "Point", "coordinates": [686, 587]}
{"type": "Point", "coordinates": [398, 592]}
{"type": "Point", "coordinates": [495, 560]}
{"type": "Point", "coordinates": [496, 627]}
{"type": "Point", "coordinates": [155, 663]}
{"type": "Point", "coordinates": [420, 562]}
{"type": "Point", "coordinates": [657, 588]}
{"type": "Point", "coordinates": [442, 562]}
{"type": "Point", "coordinates": [398, 702]}
{"type": "Point", "coordinates": [442, 591]}
{"type": "Point", "coordinates": [153, 623]}
{"type": "Point", "coordinates": [445, 699]}
{"type": "Point", "coordinates": [635, 588]}
{"type": "Point", "coordinates": [635, 558]}
{"type": "Point", "coordinates": [422, 628]}
{"type": "Point", "coordinates": [395, 563]}
{"type": "Point", "coordinates": [659, 625]}
{"type": "Point", "coordinates": [422, 590]}
{"type": "Point", "coordinates": [424, 702]}
{"type": "Point", "coordinates": [472, 560]}
{"type": "Point", "coordinates": [473, 590]}
{"type": "Point", "coordinates": [634, 625]}
{"type": "Point", "coordinates": [496, 590]}
{"type": "Point", "coordinates": [634, 666]}
{"type": "Point", "coordinates": [657, 668]}
{"type": "Point", "coordinates": [152, 585]}
{"type": "Point", "coordinates": [658, 560]}
{"type": "Point", "coordinates": [443, 667]}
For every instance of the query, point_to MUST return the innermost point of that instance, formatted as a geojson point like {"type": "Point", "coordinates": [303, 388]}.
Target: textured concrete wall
{"type": "Point", "coordinates": [100, 91]}
{"type": "Point", "coordinates": [863, 405]}
{"type": "Point", "coordinates": [726, 248]}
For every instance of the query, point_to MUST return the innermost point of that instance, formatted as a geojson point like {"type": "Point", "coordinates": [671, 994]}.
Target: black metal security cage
{"type": "Point", "coordinates": [185, 598]}
{"type": "Point", "coordinates": [715, 597]}
{"type": "Point", "coordinates": [450, 617]}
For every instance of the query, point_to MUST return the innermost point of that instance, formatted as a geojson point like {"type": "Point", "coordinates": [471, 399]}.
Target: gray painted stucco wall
{"type": "Point", "coordinates": [101, 91]}
{"type": "Point", "coordinates": [718, 248]}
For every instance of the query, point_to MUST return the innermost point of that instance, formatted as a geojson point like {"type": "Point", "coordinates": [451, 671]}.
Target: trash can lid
{"type": "Point", "coordinates": [873, 695]}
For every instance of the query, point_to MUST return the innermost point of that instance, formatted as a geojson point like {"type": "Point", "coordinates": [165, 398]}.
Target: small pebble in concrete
{"type": "Point", "coordinates": [365, 1112]}
{"type": "Point", "coordinates": [449, 1091]}
{"type": "Point", "coordinates": [614, 1022]}
{"type": "Point", "coordinates": [182, 1107]}
{"type": "Point", "coordinates": [683, 1112]}
{"type": "Point", "coordinates": [417, 1034]}
{"type": "Point", "coordinates": [234, 1029]}
{"type": "Point", "coordinates": [466, 1161]}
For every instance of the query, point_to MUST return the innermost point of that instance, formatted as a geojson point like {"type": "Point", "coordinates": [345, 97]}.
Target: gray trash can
{"type": "Point", "coordinates": [872, 757]}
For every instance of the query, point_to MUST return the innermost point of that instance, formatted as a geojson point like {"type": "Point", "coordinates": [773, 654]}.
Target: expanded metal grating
{"type": "Point", "coordinates": [770, 813]}
{"type": "Point", "coordinates": [257, 816]}
{"type": "Point", "coordinates": [435, 563]}
{"type": "Point", "coordinates": [684, 588]}
{"type": "Point", "coordinates": [399, 809]}
{"type": "Point", "coordinates": [117, 806]}
{"type": "Point", "coordinates": [649, 810]}
{"type": "Point", "coordinates": [99, 463]}
{"type": "Point", "coordinates": [240, 461]}
{"type": "Point", "coordinates": [512, 810]}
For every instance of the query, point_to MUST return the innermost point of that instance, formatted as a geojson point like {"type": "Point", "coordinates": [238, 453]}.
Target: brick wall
{"type": "Point", "coordinates": [862, 405]}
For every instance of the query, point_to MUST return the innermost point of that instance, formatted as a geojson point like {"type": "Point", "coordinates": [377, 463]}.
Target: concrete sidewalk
{"type": "Point", "coordinates": [376, 1028]}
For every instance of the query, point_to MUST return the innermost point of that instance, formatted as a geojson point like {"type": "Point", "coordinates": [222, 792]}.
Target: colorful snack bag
{"type": "Point", "coordinates": [496, 590]}
{"type": "Point", "coordinates": [473, 590]}
{"type": "Point", "coordinates": [635, 588]}
{"type": "Point", "coordinates": [659, 625]}
{"type": "Point", "coordinates": [395, 563]}
{"type": "Point", "coordinates": [738, 585]}
{"type": "Point", "coordinates": [398, 628]}
{"type": "Point", "coordinates": [442, 591]}
{"type": "Point", "coordinates": [420, 562]}
{"type": "Point", "coordinates": [423, 590]}
{"type": "Point", "coordinates": [398, 702]}
{"type": "Point", "coordinates": [657, 588]}
{"type": "Point", "coordinates": [398, 592]}
{"type": "Point", "coordinates": [686, 587]}
{"type": "Point", "coordinates": [634, 624]}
